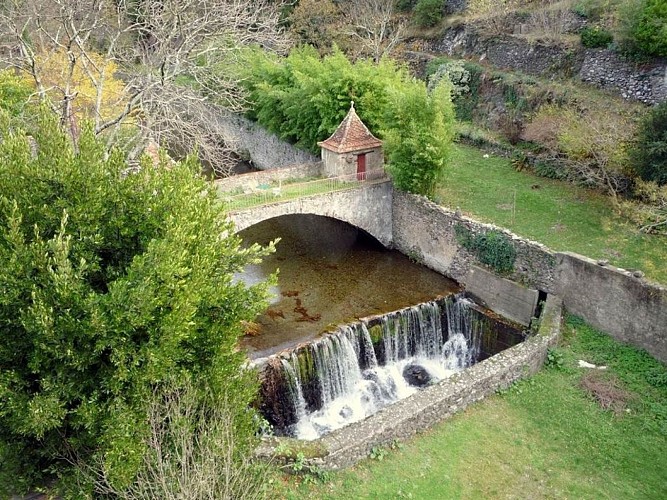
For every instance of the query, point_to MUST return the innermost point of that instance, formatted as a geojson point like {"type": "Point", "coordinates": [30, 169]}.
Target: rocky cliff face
{"type": "Point", "coordinates": [602, 68]}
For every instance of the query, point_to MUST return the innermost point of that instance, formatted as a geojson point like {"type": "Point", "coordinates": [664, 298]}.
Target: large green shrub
{"type": "Point", "coordinates": [427, 13]}
{"type": "Point", "coordinates": [645, 27]}
{"type": "Point", "coordinates": [596, 36]}
{"type": "Point", "coordinates": [112, 284]}
{"type": "Point", "coordinates": [419, 138]}
{"type": "Point", "coordinates": [649, 154]}
{"type": "Point", "coordinates": [304, 97]}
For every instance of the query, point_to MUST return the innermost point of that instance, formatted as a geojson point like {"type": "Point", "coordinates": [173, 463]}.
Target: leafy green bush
{"type": "Point", "coordinates": [596, 36]}
{"type": "Point", "coordinates": [304, 97]}
{"type": "Point", "coordinates": [593, 9]}
{"type": "Point", "coordinates": [191, 452]}
{"type": "Point", "coordinates": [427, 13]}
{"type": "Point", "coordinates": [14, 93]}
{"type": "Point", "coordinates": [433, 65]}
{"type": "Point", "coordinates": [644, 26]}
{"type": "Point", "coordinates": [493, 248]}
{"type": "Point", "coordinates": [405, 5]}
{"type": "Point", "coordinates": [113, 284]}
{"type": "Point", "coordinates": [457, 74]}
{"type": "Point", "coordinates": [419, 138]}
{"type": "Point", "coordinates": [649, 154]}
{"type": "Point", "coordinates": [466, 103]}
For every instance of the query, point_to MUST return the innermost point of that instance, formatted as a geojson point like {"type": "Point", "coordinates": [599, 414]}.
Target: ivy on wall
{"type": "Point", "coordinates": [493, 248]}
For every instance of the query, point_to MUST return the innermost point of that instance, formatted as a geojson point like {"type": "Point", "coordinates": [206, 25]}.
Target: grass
{"type": "Point", "coordinates": [541, 438]}
{"type": "Point", "coordinates": [555, 213]}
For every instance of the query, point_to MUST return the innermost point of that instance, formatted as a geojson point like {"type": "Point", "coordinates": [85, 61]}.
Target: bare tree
{"type": "Point", "coordinates": [374, 26]}
{"type": "Point", "coordinates": [192, 453]}
{"type": "Point", "coordinates": [174, 58]}
{"type": "Point", "coordinates": [596, 143]}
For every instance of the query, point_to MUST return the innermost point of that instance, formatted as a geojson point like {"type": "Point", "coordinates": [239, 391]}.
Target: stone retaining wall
{"type": "Point", "coordinates": [344, 447]}
{"type": "Point", "coordinates": [618, 302]}
{"type": "Point", "coordinates": [265, 149]}
{"type": "Point", "coordinates": [602, 68]}
{"type": "Point", "coordinates": [427, 232]}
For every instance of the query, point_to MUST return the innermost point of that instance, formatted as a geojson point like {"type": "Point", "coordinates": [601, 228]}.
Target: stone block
{"type": "Point", "coordinates": [501, 295]}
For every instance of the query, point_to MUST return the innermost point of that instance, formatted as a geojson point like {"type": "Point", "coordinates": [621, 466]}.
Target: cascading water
{"type": "Point", "coordinates": [349, 375]}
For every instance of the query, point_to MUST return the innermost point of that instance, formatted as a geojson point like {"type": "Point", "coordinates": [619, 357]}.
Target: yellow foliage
{"type": "Point", "coordinates": [83, 79]}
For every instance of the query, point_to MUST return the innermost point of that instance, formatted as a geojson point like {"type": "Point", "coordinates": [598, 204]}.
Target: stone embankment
{"type": "Point", "coordinates": [263, 149]}
{"type": "Point", "coordinates": [603, 68]}
{"type": "Point", "coordinates": [606, 69]}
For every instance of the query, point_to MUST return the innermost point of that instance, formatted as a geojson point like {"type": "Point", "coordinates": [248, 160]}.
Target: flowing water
{"type": "Point", "coordinates": [353, 373]}
{"type": "Point", "coordinates": [330, 273]}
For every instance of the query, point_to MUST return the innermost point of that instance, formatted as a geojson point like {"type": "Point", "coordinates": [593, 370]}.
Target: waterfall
{"type": "Point", "coordinates": [354, 372]}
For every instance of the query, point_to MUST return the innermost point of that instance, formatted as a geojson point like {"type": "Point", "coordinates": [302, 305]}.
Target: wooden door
{"type": "Point", "coordinates": [361, 167]}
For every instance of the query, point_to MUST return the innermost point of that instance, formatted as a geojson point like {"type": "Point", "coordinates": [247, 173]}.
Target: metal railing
{"type": "Point", "coordinates": [278, 191]}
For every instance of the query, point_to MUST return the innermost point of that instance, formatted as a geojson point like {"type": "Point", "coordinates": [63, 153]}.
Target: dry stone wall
{"type": "Point", "coordinates": [605, 69]}
{"type": "Point", "coordinates": [602, 68]}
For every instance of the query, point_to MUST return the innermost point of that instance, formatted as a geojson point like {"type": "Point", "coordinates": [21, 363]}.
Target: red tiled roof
{"type": "Point", "coordinates": [351, 135]}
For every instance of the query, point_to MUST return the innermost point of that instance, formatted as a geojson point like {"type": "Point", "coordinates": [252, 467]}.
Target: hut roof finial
{"type": "Point", "coordinates": [352, 104]}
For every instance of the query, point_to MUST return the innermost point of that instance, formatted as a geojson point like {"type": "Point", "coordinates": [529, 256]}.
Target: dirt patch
{"type": "Point", "coordinates": [606, 390]}
{"type": "Point", "coordinates": [612, 253]}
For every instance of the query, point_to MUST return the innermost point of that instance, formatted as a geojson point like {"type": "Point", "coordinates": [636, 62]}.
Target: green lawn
{"type": "Point", "coordinates": [558, 214]}
{"type": "Point", "coordinates": [542, 438]}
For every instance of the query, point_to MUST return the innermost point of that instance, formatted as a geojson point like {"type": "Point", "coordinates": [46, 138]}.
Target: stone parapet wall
{"type": "Point", "coordinates": [254, 179]}
{"type": "Point", "coordinates": [344, 447]}
{"type": "Point", "coordinates": [367, 206]}
{"type": "Point", "coordinates": [616, 301]}
{"type": "Point", "coordinates": [427, 232]}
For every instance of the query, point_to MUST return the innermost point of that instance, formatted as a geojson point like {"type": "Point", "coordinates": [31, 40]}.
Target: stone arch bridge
{"type": "Point", "coordinates": [367, 205]}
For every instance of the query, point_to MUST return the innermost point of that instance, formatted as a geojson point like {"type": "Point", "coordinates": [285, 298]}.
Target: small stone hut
{"type": "Point", "coordinates": [352, 149]}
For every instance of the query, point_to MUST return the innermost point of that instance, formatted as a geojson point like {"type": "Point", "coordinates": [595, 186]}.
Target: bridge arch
{"type": "Point", "coordinates": [368, 208]}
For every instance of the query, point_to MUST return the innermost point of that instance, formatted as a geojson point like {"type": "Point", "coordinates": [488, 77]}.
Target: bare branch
{"type": "Point", "coordinates": [172, 56]}
{"type": "Point", "coordinates": [191, 452]}
{"type": "Point", "coordinates": [374, 26]}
